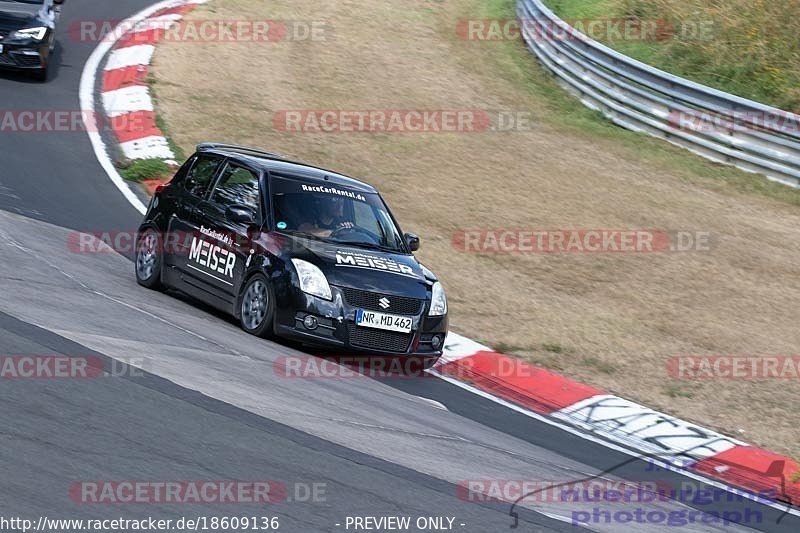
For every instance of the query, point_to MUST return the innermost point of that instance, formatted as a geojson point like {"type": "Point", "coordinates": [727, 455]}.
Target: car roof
{"type": "Point", "coordinates": [277, 164]}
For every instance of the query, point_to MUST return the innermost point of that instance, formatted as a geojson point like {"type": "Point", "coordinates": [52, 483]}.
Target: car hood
{"type": "Point", "coordinates": [16, 15]}
{"type": "Point", "coordinates": [366, 269]}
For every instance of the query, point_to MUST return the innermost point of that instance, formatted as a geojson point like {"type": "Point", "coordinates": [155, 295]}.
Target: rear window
{"type": "Point", "coordinates": [199, 178]}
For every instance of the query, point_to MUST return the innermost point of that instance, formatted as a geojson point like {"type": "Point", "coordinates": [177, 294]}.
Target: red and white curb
{"type": "Point", "coordinates": [575, 407]}
{"type": "Point", "coordinates": [125, 95]}
{"type": "Point", "coordinates": [661, 438]}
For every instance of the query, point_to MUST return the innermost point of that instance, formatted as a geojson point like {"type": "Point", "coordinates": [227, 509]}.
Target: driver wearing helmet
{"type": "Point", "coordinates": [328, 217]}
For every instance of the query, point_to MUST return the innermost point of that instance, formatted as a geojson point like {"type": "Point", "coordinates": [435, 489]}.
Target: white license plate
{"type": "Point", "coordinates": [371, 319]}
{"type": "Point", "coordinates": [1, 48]}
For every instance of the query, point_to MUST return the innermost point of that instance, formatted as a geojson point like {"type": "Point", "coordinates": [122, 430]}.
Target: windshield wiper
{"type": "Point", "coordinates": [356, 244]}
{"type": "Point", "coordinates": [371, 246]}
{"type": "Point", "coordinates": [305, 235]}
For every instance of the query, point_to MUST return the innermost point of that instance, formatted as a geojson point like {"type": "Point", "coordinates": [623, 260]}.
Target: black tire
{"type": "Point", "coordinates": [41, 74]}
{"type": "Point", "coordinates": [149, 260]}
{"type": "Point", "coordinates": [257, 307]}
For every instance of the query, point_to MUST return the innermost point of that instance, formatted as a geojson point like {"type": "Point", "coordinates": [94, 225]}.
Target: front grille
{"type": "Point", "coordinates": [28, 61]}
{"type": "Point", "coordinates": [370, 301]}
{"type": "Point", "coordinates": [376, 339]}
{"type": "Point", "coordinates": [6, 60]}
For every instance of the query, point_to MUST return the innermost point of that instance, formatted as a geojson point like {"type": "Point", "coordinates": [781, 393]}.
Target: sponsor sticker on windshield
{"type": "Point", "coordinates": [333, 190]}
{"type": "Point", "coordinates": [374, 262]}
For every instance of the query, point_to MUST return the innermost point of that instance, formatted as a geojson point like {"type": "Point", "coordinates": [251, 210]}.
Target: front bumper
{"type": "Point", "coordinates": [24, 56]}
{"type": "Point", "coordinates": [336, 327]}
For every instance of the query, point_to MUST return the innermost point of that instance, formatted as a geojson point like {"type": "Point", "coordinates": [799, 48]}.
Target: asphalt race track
{"type": "Point", "coordinates": [195, 398]}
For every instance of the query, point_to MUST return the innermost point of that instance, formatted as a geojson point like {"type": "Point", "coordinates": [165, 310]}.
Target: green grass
{"type": "Point", "coordinates": [180, 156]}
{"type": "Point", "coordinates": [553, 348]}
{"type": "Point", "coordinates": [146, 169]}
{"type": "Point", "coordinates": [676, 391]}
{"type": "Point", "coordinates": [507, 348]}
{"type": "Point", "coordinates": [745, 47]}
{"type": "Point", "coordinates": [599, 365]}
{"type": "Point", "coordinates": [161, 124]}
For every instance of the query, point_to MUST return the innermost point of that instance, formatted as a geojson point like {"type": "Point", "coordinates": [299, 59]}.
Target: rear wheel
{"type": "Point", "coordinates": [257, 307]}
{"type": "Point", "coordinates": [148, 260]}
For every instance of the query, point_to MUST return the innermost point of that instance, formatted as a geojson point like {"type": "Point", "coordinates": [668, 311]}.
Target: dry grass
{"type": "Point", "coordinates": [609, 320]}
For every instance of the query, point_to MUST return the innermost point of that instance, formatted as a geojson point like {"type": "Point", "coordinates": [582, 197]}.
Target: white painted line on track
{"type": "Point", "coordinates": [162, 22]}
{"type": "Point", "coordinates": [154, 147]}
{"type": "Point", "coordinates": [130, 56]}
{"type": "Point", "coordinates": [459, 347]}
{"type": "Point", "coordinates": [127, 100]}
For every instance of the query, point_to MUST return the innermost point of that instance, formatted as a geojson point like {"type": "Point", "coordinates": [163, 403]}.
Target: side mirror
{"type": "Point", "coordinates": [239, 214]}
{"type": "Point", "coordinates": [412, 241]}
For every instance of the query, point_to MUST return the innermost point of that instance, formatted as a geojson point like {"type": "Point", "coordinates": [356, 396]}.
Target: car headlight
{"type": "Point", "coordinates": [312, 280]}
{"type": "Point", "coordinates": [438, 301]}
{"type": "Point", "coordinates": [30, 33]}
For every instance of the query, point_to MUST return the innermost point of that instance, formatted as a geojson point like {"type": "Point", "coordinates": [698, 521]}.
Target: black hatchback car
{"type": "Point", "coordinates": [27, 34]}
{"type": "Point", "coordinates": [292, 250]}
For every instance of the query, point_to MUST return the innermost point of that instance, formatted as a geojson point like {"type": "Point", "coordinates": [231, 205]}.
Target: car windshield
{"type": "Point", "coordinates": [334, 214]}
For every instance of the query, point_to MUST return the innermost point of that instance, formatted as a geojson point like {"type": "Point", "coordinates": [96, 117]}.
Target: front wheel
{"type": "Point", "coordinates": [148, 260]}
{"type": "Point", "coordinates": [40, 75]}
{"type": "Point", "coordinates": [257, 307]}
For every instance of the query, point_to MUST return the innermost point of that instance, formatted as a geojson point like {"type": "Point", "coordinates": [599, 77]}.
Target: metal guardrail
{"type": "Point", "coordinates": [714, 124]}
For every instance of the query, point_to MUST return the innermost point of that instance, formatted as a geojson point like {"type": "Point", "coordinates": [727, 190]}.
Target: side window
{"type": "Point", "coordinates": [237, 186]}
{"type": "Point", "coordinates": [199, 177]}
{"type": "Point", "coordinates": [180, 175]}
